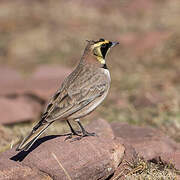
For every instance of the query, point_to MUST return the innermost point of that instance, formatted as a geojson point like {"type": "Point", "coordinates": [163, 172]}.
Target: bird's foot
{"type": "Point", "coordinates": [85, 134]}
{"type": "Point", "coordinates": [76, 133]}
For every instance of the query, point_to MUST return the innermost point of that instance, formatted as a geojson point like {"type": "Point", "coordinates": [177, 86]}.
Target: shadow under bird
{"type": "Point", "coordinates": [80, 93]}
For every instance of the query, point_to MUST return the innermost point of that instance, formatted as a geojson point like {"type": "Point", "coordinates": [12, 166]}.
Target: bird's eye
{"type": "Point", "coordinates": [101, 40]}
{"type": "Point", "coordinates": [103, 45]}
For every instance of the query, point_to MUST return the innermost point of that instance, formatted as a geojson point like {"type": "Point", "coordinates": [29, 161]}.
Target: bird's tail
{"type": "Point", "coordinates": [33, 136]}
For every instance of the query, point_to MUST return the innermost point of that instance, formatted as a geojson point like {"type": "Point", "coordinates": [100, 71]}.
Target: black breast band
{"type": "Point", "coordinates": [105, 66]}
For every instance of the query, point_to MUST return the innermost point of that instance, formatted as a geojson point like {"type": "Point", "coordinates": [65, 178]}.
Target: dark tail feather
{"type": "Point", "coordinates": [33, 136]}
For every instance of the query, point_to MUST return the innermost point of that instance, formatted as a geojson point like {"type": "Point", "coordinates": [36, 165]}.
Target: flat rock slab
{"type": "Point", "coordinates": [18, 109]}
{"type": "Point", "coordinates": [10, 170]}
{"type": "Point", "coordinates": [42, 83]}
{"type": "Point", "coordinates": [148, 142]}
{"type": "Point", "coordinates": [9, 74]}
{"type": "Point", "coordinates": [90, 158]}
{"type": "Point", "coordinates": [22, 99]}
{"type": "Point", "coordinates": [173, 158]}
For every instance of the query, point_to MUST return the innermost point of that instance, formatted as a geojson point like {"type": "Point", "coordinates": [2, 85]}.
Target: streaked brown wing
{"type": "Point", "coordinates": [63, 111]}
{"type": "Point", "coordinates": [70, 102]}
{"type": "Point", "coordinates": [60, 96]}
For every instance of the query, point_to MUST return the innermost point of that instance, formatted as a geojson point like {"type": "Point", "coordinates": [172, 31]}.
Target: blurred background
{"type": "Point", "coordinates": [42, 41]}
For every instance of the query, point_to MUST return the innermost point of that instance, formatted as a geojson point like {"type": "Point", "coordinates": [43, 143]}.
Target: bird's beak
{"type": "Point", "coordinates": [114, 44]}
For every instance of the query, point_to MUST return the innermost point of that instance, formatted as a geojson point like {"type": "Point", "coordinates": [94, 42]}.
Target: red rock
{"type": "Point", "coordinates": [10, 80]}
{"type": "Point", "coordinates": [15, 171]}
{"type": "Point", "coordinates": [43, 83]}
{"type": "Point", "coordinates": [129, 155]}
{"type": "Point", "coordinates": [102, 128]}
{"type": "Point", "coordinates": [17, 109]}
{"type": "Point", "coordinates": [8, 74]}
{"type": "Point", "coordinates": [173, 158]}
{"type": "Point", "coordinates": [51, 72]}
{"type": "Point", "coordinates": [24, 97]}
{"type": "Point", "coordinates": [12, 87]}
{"type": "Point", "coordinates": [148, 142]}
{"type": "Point", "coordinates": [46, 80]}
{"type": "Point", "coordinates": [89, 158]}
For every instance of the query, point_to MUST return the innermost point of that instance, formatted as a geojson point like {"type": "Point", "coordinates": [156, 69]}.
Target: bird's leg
{"type": "Point", "coordinates": [84, 132]}
{"type": "Point", "coordinates": [73, 132]}
{"type": "Point", "coordinates": [71, 128]}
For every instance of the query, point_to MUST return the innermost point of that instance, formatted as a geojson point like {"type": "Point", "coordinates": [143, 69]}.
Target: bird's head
{"type": "Point", "coordinates": [99, 49]}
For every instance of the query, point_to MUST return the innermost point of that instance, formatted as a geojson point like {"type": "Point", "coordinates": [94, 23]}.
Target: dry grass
{"type": "Point", "coordinates": [140, 169]}
{"type": "Point", "coordinates": [61, 166]}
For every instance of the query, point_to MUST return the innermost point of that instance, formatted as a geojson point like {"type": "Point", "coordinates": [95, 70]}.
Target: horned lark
{"type": "Point", "coordinates": [80, 93]}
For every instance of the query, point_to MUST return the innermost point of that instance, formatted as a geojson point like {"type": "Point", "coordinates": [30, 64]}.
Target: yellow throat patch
{"type": "Point", "coordinates": [97, 51]}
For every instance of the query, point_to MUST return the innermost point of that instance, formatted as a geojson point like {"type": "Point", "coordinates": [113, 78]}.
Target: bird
{"type": "Point", "coordinates": [79, 94]}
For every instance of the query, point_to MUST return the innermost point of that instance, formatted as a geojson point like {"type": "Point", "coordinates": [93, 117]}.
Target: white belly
{"type": "Point", "coordinates": [106, 71]}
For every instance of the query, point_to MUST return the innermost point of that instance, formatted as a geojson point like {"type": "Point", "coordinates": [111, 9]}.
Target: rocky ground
{"type": "Point", "coordinates": [120, 150]}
